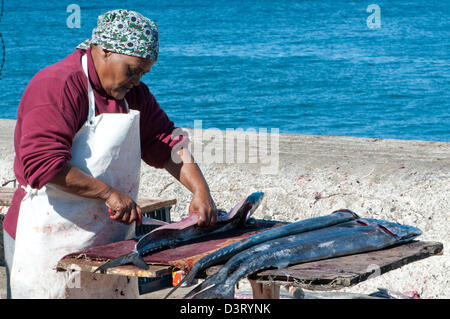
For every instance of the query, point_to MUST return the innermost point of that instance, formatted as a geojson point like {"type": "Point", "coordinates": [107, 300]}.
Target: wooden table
{"type": "Point", "coordinates": [81, 264]}
{"type": "Point", "coordinates": [6, 195]}
{"type": "Point", "coordinates": [347, 271]}
{"type": "Point", "coordinates": [329, 274]}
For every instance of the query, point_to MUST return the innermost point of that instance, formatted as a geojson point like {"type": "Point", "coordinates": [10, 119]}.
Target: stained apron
{"type": "Point", "coordinates": [53, 223]}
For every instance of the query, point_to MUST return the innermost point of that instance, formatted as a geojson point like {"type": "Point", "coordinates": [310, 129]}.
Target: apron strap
{"type": "Point", "coordinates": [90, 91]}
{"type": "Point", "coordinates": [29, 191]}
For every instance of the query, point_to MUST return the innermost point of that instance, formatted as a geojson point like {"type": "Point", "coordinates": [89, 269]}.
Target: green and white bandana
{"type": "Point", "coordinates": [126, 32]}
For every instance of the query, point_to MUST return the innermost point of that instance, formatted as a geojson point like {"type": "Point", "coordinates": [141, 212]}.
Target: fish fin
{"type": "Point", "coordinates": [174, 288]}
{"type": "Point", "coordinates": [201, 286]}
{"type": "Point", "coordinates": [216, 292]}
{"type": "Point", "coordinates": [139, 262]}
{"type": "Point", "coordinates": [188, 279]}
{"type": "Point", "coordinates": [132, 257]}
{"type": "Point", "coordinates": [214, 279]}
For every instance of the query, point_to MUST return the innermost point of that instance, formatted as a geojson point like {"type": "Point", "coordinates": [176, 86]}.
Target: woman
{"type": "Point", "coordinates": [83, 126]}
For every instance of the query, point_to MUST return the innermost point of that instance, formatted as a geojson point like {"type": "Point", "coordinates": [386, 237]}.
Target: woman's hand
{"type": "Point", "coordinates": [75, 181]}
{"type": "Point", "coordinates": [125, 209]}
{"type": "Point", "coordinates": [203, 205]}
{"type": "Point", "coordinates": [185, 170]}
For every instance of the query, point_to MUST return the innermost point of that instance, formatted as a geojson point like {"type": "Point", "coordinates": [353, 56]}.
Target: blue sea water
{"type": "Point", "coordinates": [307, 67]}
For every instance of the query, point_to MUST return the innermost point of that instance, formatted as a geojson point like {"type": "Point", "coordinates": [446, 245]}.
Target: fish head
{"type": "Point", "coordinates": [402, 232]}
{"type": "Point", "coordinates": [253, 202]}
{"type": "Point", "coordinates": [246, 208]}
{"type": "Point", "coordinates": [242, 210]}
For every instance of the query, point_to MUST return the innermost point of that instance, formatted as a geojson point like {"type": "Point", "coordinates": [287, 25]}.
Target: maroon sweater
{"type": "Point", "coordinates": [54, 107]}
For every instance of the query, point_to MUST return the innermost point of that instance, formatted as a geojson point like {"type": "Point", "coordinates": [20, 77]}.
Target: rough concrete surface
{"type": "Point", "coordinates": [401, 181]}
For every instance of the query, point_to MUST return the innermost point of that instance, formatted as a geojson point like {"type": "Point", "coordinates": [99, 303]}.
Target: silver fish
{"type": "Point", "coordinates": [369, 235]}
{"type": "Point", "coordinates": [303, 226]}
{"type": "Point", "coordinates": [234, 262]}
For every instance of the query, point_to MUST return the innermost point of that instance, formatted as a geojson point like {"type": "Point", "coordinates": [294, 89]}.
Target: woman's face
{"type": "Point", "coordinates": [118, 73]}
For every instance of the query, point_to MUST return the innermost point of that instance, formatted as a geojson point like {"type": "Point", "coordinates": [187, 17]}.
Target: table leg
{"type": "Point", "coordinates": [265, 291]}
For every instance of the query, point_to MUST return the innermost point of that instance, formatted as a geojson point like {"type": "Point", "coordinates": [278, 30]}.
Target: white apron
{"type": "Point", "coordinates": [53, 223]}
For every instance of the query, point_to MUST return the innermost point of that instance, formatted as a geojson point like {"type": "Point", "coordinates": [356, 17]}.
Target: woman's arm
{"type": "Point", "coordinates": [189, 174]}
{"type": "Point", "coordinates": [73, 180]}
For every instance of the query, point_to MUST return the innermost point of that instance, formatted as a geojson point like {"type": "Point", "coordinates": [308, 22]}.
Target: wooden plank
{"type": "Point", "coordinates": [340, 272]}
{"type": "Point", "coordinates": [154, 271]}
{"type": "Point", "coordinates": [6, 195]}
{"type": "Point", "coordinates": [148, 205]}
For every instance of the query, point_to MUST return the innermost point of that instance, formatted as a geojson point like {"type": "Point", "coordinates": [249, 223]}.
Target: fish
{"type": "Point", "coordinates": [221, 255]}
{"type": "Point", "coordinates": [174, 234]}
{"type": "Point", "coordinates": [365, 235]}
{"type": "Point", "coordinates": [234, 262]}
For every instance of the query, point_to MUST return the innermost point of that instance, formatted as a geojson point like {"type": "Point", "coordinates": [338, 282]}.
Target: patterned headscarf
{"type": "Point", "coordinates": [126, 32]}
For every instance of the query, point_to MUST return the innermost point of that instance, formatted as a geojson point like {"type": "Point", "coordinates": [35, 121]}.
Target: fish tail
{"type": "Point", "coordinates": [216, 292]}
{"type": "Point", "coordinates": [198, 288]}
{"type": "Point", "coordinates": [211, 280]}
{"type": "Point", "coordinates": [188, 279]}
{"type": "Point", "coordinates": [130, 258]}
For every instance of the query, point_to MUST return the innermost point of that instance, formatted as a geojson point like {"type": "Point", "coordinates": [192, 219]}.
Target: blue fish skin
{"type": "Point", "coordinates": [147, 244]}
{"type": "Point", "coordinates": [337, 217]}
{"type": "Point", "coordinates": [368, 236]}
{"type": "Point", "coordinates": [242, 256]}
{"type": "Point", "coordinates": [130, 258]}
{"type": "Point", "coordinates": [403, 233]}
